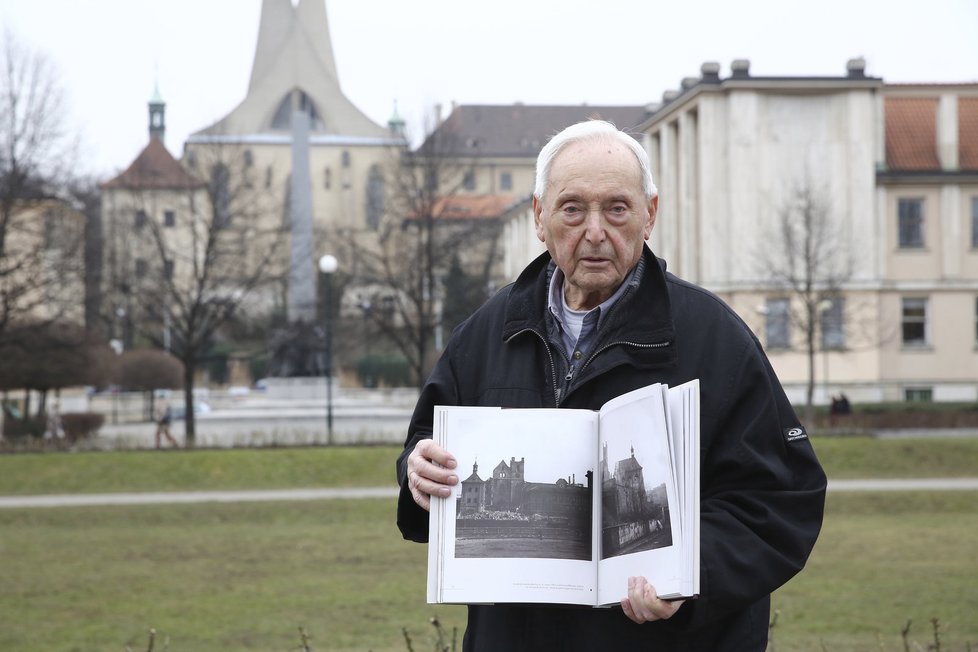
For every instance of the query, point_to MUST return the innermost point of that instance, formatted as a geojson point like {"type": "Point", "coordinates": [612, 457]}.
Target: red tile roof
{"type": "Point", "coordinates": [911, 133]}
{"type": "Point", "coordinates": [968, 133]}
{"type": "Point", "coordinates": [154, 168]}
{"type": "Point", "coordinates": [472, 207]}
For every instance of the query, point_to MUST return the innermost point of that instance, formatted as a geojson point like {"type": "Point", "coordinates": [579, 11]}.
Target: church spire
{"type": "Point", "coordinates": [157, 114]}
{"type": "Point", "coordinates": [281, 25]}
{"type": "Point", "coordinates": [294, 51]}
{"type": "Point", "coordinates": [396, 123]}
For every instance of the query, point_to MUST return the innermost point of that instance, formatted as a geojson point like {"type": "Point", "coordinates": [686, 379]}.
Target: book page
{"type": "Point", "coordinates": [519, 526]}
{"type": "Point", "coordinates": [683, 412]}
{"type": "Point", "coordinates": [641, 533]}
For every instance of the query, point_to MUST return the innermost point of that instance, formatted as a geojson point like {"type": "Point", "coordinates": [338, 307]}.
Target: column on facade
{"type": "Point", "coordinates": [688, 214]}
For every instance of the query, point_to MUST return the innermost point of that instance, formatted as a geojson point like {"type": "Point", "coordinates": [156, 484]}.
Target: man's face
{"type": "Point", "coordinates": [594, 219]}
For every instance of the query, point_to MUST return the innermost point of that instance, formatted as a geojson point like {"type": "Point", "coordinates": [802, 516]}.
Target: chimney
{"type": "Point", "coordinates": [740, 69]}
{"type": "Point", "coordinates": [856, 68]}
{"type": "Point", "coordinates": [710, 72]}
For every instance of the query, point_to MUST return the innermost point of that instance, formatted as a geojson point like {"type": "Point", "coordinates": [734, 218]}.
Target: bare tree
{"type": "Point", "coordinates": [807, 257]}
{"type": "Point", "coordinates": [402, 267]}
{"type": "Point", "coordinates": [41, 234]}
{"type": "Point", "coordinates": [215, 260]}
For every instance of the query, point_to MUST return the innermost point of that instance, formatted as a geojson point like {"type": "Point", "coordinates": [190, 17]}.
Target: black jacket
{"type": "Point", "coordinates": [762, 490]}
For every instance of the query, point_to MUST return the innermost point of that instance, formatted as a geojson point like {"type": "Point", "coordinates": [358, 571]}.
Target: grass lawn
{"type": "Point", "coordinates": [247, 576]}
{"type": "Point", "coordinates": [212, 577]}
{"type": "Point", "coordinates": [881, 560]}
{"type": "Point", "coordinates": [197, 470]}
{"type": "Point", "coordinates": [283, 468]}
{"type": "Point", "coordinates": [866, 457]}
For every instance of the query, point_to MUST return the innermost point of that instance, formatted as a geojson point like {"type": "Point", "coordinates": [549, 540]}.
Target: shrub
{"type": "Point", "coordinates": [381, 369]}
{"type": "Point", "coordinates": [79, 425]}
{"type": "Point", "coordinates": [33, 426]}
{"type": "Point", "coordinates": [148, 369]}
{"type": "Point", "coordinates": [258, 366]}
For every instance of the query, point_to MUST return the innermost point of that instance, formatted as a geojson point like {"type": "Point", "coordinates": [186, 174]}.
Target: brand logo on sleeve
{"type": "Point", "coordinates": [794, 434]}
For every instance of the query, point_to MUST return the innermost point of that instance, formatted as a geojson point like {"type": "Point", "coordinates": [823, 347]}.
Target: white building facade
{"type": "Point", "coordinates": [895, 172]}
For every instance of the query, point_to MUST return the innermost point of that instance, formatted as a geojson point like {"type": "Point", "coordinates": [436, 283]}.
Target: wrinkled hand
{"type": "Point", "coordinates": [429, 473]}
{"type": "Point", "coordinates": [643, 603]}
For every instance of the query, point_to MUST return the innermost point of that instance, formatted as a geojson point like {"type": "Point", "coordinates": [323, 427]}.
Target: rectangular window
{"type": "Point", "coordinates": [140, 219]}
{"type": "Point", "coordinates": [832, 321]}
{"type": "Point", "coordinates": [468, 181]}
{"type": "Point", "coordinates": [914, 322]}
{"type": "Point", "coordinates": [910, 216]}
{"type": "Point", "coordinates": [141, 268]}
{"type": "Point", "coordinates": [777, 327]}
{"type": "Point", "coordinates": [169, 219]}
{"type": "Point", "coordinates": [168, 269]}
{"type": "Point", "coordinates": [506, 181]}
{"type": "Point", "coordinates": [974, 222]}
{"type": "Point", "coordinates": [918, 394]}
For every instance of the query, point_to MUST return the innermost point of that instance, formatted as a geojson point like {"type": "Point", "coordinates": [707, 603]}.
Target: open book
{"type": "Point", "coordinates": [564, 505]}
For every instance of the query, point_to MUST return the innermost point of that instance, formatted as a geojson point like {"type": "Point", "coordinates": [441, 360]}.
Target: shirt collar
{"type": "Point", "coordinates": [555, 296]}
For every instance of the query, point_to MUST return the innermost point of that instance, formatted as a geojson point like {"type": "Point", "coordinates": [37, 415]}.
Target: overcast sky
{"type": "Point", "coordinates": [422, 52]}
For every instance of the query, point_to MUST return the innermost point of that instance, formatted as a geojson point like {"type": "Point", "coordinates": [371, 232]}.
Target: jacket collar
{"type": "Point", "coordinates": [643, 314]}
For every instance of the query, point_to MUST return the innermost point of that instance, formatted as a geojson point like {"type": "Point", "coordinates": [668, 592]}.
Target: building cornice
{"type": "Point", "coordinates": [286, 139]}
{"type": "Point", "coordinates": [784, 85]}
{"type": "Point", "coordinates": [926, 177]}
{"type": "Point", "coordinates": [853, 287]}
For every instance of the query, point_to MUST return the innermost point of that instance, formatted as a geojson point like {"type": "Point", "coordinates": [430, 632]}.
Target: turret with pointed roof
{"type": "Point", "coordinates": [155, 168]}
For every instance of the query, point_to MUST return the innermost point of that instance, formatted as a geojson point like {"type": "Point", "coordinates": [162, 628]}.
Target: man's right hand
{"type": "Point", "coordinates": [430, 473]}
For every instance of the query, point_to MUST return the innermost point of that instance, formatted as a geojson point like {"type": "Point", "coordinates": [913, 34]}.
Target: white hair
{"type": "Point", "coordinates": [590, 131]}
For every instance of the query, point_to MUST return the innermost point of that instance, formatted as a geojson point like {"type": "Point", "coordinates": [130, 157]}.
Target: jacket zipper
{"type": "Point", "coordinates": [654, 345]}
{"type": "Point", "coordinates": [553, 367]}
{"type": "Point", "coordinates": [571, 372]}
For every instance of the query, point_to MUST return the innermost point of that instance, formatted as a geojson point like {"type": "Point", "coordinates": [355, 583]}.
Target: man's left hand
{"type": "Point", "coordinates": [643, 603]}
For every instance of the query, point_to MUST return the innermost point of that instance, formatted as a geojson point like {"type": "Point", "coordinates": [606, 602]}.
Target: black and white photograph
{"type": "Point", "coordinates": [635, 513]}
{"type": "Point", "coordinates": [524, 508]}
{"type": "Point", "coordinates": [528, 494]}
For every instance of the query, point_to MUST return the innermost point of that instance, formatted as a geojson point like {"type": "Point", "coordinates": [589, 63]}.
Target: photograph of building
{"type": "Point", "coordinates": [634, 513]}
{"type": "Point", "coordinates": [507, 515]}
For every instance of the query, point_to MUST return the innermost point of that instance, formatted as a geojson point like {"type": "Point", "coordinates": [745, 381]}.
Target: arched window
{"type": "Point", "coordinates": [220, 190]}
{"type": "Point", "coordinates": [282, 118]}
{"type": "Point", "coordinates": [375, 197]}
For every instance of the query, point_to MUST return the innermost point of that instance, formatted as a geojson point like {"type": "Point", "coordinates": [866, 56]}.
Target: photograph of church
{"type": "Point", "coordinates": [634, 512]}
{"type": "Point", "coordinates": [507, 515]}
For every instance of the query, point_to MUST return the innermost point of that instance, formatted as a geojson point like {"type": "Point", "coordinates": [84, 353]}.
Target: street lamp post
{"type": "Point", "coordinates": [328, 265]}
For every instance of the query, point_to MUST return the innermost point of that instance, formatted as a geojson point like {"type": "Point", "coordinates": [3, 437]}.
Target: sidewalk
{"type": "Point", "coordinates": [350, 493]}
{"type": "Point", "coordinates": [81, 500]}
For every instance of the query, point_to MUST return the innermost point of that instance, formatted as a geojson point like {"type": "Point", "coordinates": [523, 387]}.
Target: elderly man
{"type": "Point", "coordinates": [598, 316]}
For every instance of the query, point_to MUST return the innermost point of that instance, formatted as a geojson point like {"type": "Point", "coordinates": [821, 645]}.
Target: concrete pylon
{"type": "Point", "coordinates": [302, 270]}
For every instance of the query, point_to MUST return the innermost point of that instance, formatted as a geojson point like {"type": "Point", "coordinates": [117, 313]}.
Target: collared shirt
{"type": "Point", "coordinates": [578, 328]}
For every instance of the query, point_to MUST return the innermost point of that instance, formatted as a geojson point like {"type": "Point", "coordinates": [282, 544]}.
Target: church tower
{"type": "Point", "coordinates": [294, 52]}
{"type": "Point", "coordinates": [157, 116]}
{"type": "Point", "coordinates": [300, 142]}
